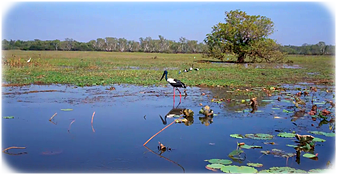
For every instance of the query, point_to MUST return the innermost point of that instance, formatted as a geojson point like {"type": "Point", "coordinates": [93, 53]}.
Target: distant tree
{"type": "Point", "coordinates": [243, 35]}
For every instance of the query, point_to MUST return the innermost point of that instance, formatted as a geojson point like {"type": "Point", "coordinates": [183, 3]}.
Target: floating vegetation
{"type": "Point", "coordinates": [8, 117]}
{"type": "Point", "coordinates": [238, 136]}
{"type": "Point", "coordinates": [66, 109]}
{"type": "Point", "coordinates": [286, 134]}
{"type": "Point", "coordinates": [255, 164]}
{"type": "Point", "coordinates": [322, 133]}
{"type": "Point", "coordinates": [318, 140]}
{"type": "Point", "coordinates": [233, 169]}
{"type": "Point", "coordinates": [245, 146]}
{"type": "Point", "coordinates": [283, 170]}
{"type": "Point", "coordinates": [215, 166]}
{"type": "Point", "coordinates": [220, 161]}
{"type": "Point", "coordinates": [258, 136]}
{"type": "Point", "coordinates": [286, 111]}
{"type": "Point", "coordinates": [309, 155]}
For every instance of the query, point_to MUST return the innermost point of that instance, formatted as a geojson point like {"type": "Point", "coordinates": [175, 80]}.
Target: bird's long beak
{"type": "Point", "coordinates": [162, 76]}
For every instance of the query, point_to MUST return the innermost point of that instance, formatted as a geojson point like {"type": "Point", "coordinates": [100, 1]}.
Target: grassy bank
{"type": "Point", "coordinates": [104, 68]}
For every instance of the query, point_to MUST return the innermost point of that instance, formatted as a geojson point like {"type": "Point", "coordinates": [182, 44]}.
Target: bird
{"type": "Point", "coordinates": [29, 60]}
{"type": "Point", "coordinates": [185, 70]}
{"type": "Point", "coordinates": [174, 83]}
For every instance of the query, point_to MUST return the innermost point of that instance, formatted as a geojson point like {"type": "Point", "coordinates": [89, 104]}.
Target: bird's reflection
{"type": "Point", "coordinates": [176, 111]}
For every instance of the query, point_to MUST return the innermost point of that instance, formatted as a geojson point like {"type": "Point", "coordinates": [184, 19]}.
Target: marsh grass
{"type": "Point", "coordinates": [104, 68]}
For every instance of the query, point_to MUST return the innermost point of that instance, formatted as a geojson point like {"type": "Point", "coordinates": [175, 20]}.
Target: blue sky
{"type": "Point", "coordinates": [295, 23]}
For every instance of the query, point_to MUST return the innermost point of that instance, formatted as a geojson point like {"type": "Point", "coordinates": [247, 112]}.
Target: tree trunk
{"type": "Point", "coordinates": [241, 58]}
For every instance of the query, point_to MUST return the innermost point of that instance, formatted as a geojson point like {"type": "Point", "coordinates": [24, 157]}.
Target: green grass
{"type": "Point", "coordinates": [104, 68]}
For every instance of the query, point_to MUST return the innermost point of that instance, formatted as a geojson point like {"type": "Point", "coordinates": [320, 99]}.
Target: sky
{"type": "Point", "coordinates": [295, 23]}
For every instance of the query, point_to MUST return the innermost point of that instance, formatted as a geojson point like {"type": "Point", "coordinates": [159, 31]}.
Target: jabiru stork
{"type": "Point", "coordinates": [174, 83]}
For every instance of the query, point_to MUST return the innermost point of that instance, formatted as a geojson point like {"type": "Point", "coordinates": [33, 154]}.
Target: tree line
{"type": "Point", "coordinates": [161, 45]}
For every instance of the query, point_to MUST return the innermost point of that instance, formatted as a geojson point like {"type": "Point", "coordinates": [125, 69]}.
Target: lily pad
{"type": "Point", "coordinates": [309, 155]}
{"type": "Point", "coordinates": [238, 169]}
{"type": "Point", "coordinates": [220, 161]}
{"type": "Point", "coordinates": [322, 133]}
{"type": "Point", "coordinates": [238, 136]}
{"type": "Point", "coordinates": [215, 165]}
{"type": "Point", "coordinates": [259, 136]}
{"type": "Point", "coordinates": [250, 146]}
{"type": "Point", "coordinates": [286, 134]}
{"type": "Point", "coordinates": [66, 109]}
{"type": "Point", "coordinates": [8, 117]}
{"type": "Point", "coordinates": [294, 146]}
{"type": "Point", "coordinates": [286, 111]}
{"type": "Point", "coordinates": [316, 171]}
{"type": "Point", "coordinates": [235, 153]}
{"type": "Point", "coordinates": [283, 170]}
{"type": "Point", "coordinates": [318, 140]}
{"type": "Point", "coordinates": [255, 164]}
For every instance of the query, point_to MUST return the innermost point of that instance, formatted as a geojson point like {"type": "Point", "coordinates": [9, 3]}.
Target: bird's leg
{"type": "Point", "coordinates": [179, 94]}
{"type": "Point", "coordinates": [174, 94]}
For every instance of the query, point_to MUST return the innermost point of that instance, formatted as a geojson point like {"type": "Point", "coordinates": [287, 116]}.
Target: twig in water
{"type": "Point", "coordinates": [13, 147]}
{"type": "Point", "coordinates": [70, 124]}
{"type": "Point", "coordinates": [92, 118]}
{"type": "Point", "coordinates": [160, 131]}
{"type": "Point", "coordinates": [52, 116]}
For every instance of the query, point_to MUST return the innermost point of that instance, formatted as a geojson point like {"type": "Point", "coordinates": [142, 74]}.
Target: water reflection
{"type": "Point", "coordinates": [165, 158]}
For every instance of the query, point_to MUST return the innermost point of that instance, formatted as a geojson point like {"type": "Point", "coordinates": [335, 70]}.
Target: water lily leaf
{"type": "Point", "coordinates": [235, 153]}
{"type": "Point", "coordinates": [286, 111]}
{"type": "Point", "coordinates": [215, 165]}
{"type": "Point", "coordinates": [238, 169]}
{"type": "Point", "coordinates": [66, 109]}
{"type": "Point", "coordinates": [265, 152]}
{"type": "Point", "coordinates": [220, 161]}
{"type": "Point", "coordinates": [286, 134]}
{"type": "Point", "coordinates": [318, 140]}
{"type": "Point", "coordinates": [294, 146]}
{"type": "Point", "coordinates": [8, 117]}
{"type": "Point", "coordinates": [309, 155]}
{"type": "Point", "coordinates": [316, 171]}
{"type": "Point", "coordinates": [283, 170]}
{"type": "Point", "coordinates": [250, 146]}
{"type": "Point", "coordinates": [267, 100]}
{"type": "Point", "coordinates": [322, 133]}
{"type": "Point", "coordinates": [255, 164]}
{"type": "Point", "coordinates": [238, 136]}
{"type": "Point", "coordinates": [259, 136]}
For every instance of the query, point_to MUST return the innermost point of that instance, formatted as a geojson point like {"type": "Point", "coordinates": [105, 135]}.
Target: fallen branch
{"type": "Point", "coordinates": [70, 124]}
{"type": "Point", "coordinates": [52, 116]}
{"type": "Point", "coordinates": [13, 147]}
{"type": "Point", "coordinates": [92, 118]}
{"type": "Point", "coordinates": [160, 131]}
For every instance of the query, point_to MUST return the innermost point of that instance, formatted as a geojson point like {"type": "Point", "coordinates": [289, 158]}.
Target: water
{"type": "Point", "coordinates": [127, 117]}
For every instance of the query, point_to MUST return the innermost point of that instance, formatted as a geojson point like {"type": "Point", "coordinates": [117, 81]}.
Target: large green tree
{"type": "Point", "coordinates": [244, 36]}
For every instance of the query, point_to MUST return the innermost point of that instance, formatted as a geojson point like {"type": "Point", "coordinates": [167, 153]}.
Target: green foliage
{"type": "Point", "coordinates": [233, 169]}
{"type": "Point", "coordinates": [285, 134]}
{"type": "Point", "coordinates": [322, 133]}
{"type": "Point", "coordinates": [220, 161]}
{"type": "Point", "coordinates": [238, 136]}
{"type": "Point", "coordinates": [245, 146]}
{"type": "Point", "coordinates": [215, 165]}
{"type": "Point", "coordinates": [309, 155]}
{"type": "Point", "coordinates": [283, 170]}
{"type": "Point", "coordinates": [244, 36]}
{"type": "Point", "coordinates": [255, 164]}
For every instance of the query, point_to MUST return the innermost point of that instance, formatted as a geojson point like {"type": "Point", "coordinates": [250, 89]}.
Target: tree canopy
{"type": "Point", "coordinates": [244, 36]}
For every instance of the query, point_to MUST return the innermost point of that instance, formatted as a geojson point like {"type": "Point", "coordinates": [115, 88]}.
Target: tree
{"type": "Point", "coordinates": [240, 35]}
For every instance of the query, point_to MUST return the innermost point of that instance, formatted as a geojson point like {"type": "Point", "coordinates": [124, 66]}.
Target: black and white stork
{"type": "Point", "coordinates": [174, 83]}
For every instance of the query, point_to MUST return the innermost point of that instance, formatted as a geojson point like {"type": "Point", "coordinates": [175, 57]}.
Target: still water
{"type": "Point", "coordinates": [129, 115]}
